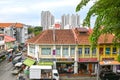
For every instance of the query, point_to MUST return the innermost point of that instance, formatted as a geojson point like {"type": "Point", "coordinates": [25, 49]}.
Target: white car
{"type": "Point", "coordinates": [55, 74]}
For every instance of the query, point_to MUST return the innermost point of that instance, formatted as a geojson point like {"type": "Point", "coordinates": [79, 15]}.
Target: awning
{"type": "Point", "coordinates": [109, 62]}
{"type": "Point", "coordinates": [46, 63]}
{"type": "Point", "coordinates": [29, 62]}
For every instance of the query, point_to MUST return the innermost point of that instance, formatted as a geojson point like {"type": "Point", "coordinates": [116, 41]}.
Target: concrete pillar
{"type": "Point", "coordinates": [69, 51]}
{"type": "Point", "coordinates": [76, 61]}
{"type": "Point", "coordinates": [28, 49]}
{"type": "Point", "coordinates": [37, 52]}
{"type": "Point", "coordinates": [61, 54]}
{"type": "Point", "coordinates": [114, 68]}
{"type": "Point", "coordinates": [96, 68]}
{"type": "Point", "coordinates": [54, 56]}
{"type": "Point", "coordinates": [75, 67]}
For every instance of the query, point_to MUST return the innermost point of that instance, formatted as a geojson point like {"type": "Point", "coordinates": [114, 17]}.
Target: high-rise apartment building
{"type": "Point", "coordinates": [47, 20]}
{"type": "Point", "coordinates": [70, 21]}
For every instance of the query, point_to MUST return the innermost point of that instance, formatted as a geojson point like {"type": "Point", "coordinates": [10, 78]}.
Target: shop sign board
{"type": "Point", "coordinates": [88, 60]}
{"type": "Point", "coordinates": [57, 59]}
{"type": "Point", "coordinates": [107, 59]}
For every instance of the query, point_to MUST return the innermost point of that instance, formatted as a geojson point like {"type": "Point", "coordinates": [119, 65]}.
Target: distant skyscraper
{"type": "Point", "coordinates": [47, 20]}
{"type": "Point", "coordinates": [70, 21]}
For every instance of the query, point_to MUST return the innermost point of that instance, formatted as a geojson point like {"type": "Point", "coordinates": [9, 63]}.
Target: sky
{"type": "Point", "coordinates": [29, 11]}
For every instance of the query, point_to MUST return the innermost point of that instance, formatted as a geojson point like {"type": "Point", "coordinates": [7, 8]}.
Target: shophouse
{"type": "Point", "coordinates": [87, 56]}
{"type": "Point", "coordinates": [55, 47]}
{"type": "Point", "coordinates": [70, 51]}
{"type": "Point", "coordinates": [108, 53]}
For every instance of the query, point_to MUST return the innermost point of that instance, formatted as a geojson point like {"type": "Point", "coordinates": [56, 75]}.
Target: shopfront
{"type": "Point", "coordinates": [65, 65]}
{"type": "Point", "coordinates": [87, 65]}
{"type": "Point", "coordinates": [110, 65]}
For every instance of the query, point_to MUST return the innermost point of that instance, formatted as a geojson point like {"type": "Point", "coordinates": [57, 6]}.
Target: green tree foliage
{"type": "Point", "coordinates": [119, 57]}
{"type": "Point", "coordinates": [30, 30]}
{"type": "Point", "coordinates": [107, 14]}
{"type": "Point", "coordinates": [37, 30]}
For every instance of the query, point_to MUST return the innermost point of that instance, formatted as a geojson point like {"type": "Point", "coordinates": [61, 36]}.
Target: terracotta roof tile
{"type": "Point", "coordinates": [9, 38]}
{"type": "Point", "coordinates": [106, 39]}
{"type": "Point", "coordinates": [83, 36]}
{"type": "Point", "coordinates": [61, 37]}
{"type": "Point", "coordinates": [17, 25]}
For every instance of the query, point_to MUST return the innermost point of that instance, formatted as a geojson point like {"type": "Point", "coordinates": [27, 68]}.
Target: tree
{"type": "Point", "coordinates": [37, 30]}
{"type": "Point", "coordinates": [30, 30]}
{"type": "Point", "coordinates": [119, 58]}
{"type": "Point", "coordinates": [107, 14]}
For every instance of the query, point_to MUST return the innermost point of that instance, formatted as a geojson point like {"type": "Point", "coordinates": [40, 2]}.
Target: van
{"type": "Point", "coordinates": [55, 74]}
{"type": "Point", "coordinates": [43, 73]}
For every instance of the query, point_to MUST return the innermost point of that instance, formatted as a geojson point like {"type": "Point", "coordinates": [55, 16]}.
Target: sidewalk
{"type": "Point", "coordinates": [77, 77]}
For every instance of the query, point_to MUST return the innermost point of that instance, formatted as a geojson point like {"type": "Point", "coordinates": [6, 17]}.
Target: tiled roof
{"type": "Point", "coordinates": [106, 39]}
{"type": "Point", "coordinates": [61, 37]}
{"type": "Point", "coordinates": [9, 38]}
{"type": "Point", "coordinates": [70, 36]}
{"type": "Point", "coordinates": [17, 25]}
{"type": "Point", "coordinates": [83, 36]}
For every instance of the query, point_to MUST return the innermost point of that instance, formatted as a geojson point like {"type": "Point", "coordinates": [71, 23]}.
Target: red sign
{"type": "Point", "coordinates": [88, 60]}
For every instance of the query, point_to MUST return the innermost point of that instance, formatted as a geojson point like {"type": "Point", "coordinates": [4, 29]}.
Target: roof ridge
{"type": "Point", "coordinates": [75, 36]}
{"type": "Point", "coordinates": [41, 35]}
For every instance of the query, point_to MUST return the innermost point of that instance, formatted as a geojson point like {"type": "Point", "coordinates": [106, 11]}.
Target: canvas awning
{"type": "Point", "coordinates": [109, 62]}
{"type": "Point", "coordinates": [45, 63]}
{"type": "Point", "coordinates": [29, 62]}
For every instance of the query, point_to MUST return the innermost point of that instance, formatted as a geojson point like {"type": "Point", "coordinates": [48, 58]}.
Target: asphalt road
{"type": "Point", "coordinates": [5, 71]}
{"type": "Point", "coordinates": [6, 67]}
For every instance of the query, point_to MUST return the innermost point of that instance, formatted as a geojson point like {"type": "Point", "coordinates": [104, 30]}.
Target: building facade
{"type": "Point", "coordinates": [70, 49]}
{"type": "Point", "coordinates": [108, 53]}
{"type": "Point", "coordinates": [47, 20]}
{"type": "Point", "coordinates": [70, 21]}
{"type": "Point", "coordinates": [18, 31]}
{"type": "Point", "coordinates": [59, 48]}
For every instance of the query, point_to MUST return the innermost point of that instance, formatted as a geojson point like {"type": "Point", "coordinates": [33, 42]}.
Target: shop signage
{"type": "Point", "coordinates": [54, 52]}
{"type": "Point", "coordinates": [65, 59]}
{"type": "Point", "coordinates": [107, 59]}
{"type": "Point", "coordinates": [47, 59]}
{"type": "Point", "coordinates": [87, 59]}
{"type": "Point", "coordinates": [57, 59]}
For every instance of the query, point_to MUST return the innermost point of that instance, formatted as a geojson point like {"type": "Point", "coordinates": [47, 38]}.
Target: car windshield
{"type": "Point", "coordinates": [55, 74]}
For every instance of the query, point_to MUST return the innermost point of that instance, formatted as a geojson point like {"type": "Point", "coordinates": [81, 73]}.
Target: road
{"type": "Point", "coordinates": [6, 67]}
{"type": "Point", "coordinates": [5, 71]}
{"type": "Point", "coordinates": [77, 78]}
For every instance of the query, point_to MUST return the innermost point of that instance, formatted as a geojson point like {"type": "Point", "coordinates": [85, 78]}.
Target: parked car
{"type": "Point", "coordinates": [17, 54]}
{"type": "Point", "coordinates": [109, 75]}
{"type": "Point", "coordinates": [16, 69]}
{"type": "Point", "coordinates": [16, 60]}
